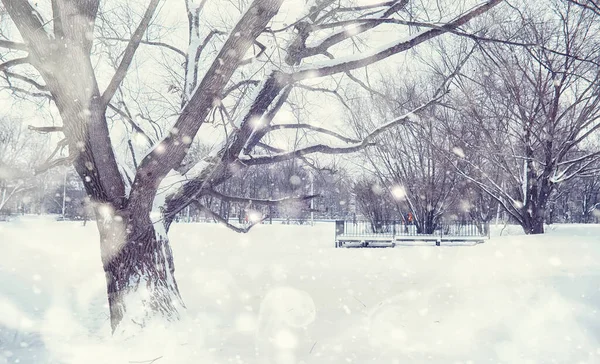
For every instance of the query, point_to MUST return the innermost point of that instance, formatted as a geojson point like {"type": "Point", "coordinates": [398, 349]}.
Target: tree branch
{"type": "Point", "coordinates": [13, 45]}
{"type": "Point", "coordinates": [155, 166]}
{"type": "Point", "coordinates": [30, 93]}
{"type": "Point", "coordinates": [14, 62]}
{"type": "Point", "coordinates": [237, 85]}
{"type": "Point", "coordinates": [45, 129]}
{"type": "Point", "coordinates": [361, 60]}
{"type": "Point", "coordinates": [129, 53]}
{"type": "Point", "coordinates": [321, 148]}
{"type": "Point", "coordinates": [259, 201]}
{"type": "Point", "coordinates": [25, 79]}
{"type": "Point", "coordinates": [325, 90]}
{"type": "Point", "coordinates": [222, 220]}
{"type": "Point", "coordinates": [249, 60]}
{"type": "Point", "coordinates": [64, 161]}
{"type": "Point", "coordinates": [131, 122]}
{"type": "Point", "coordinates": [590, 5]}
{"type": "Point", "coordinates": [270, 148]}
{"type": "Point", "coordinates": [361, 26]}
{"type": "Point", "coordinates": [151, 43]}
{"type": "Point", "coordinates": [313, 128]}
{"type": "Point", "coordinates": [29, 24]}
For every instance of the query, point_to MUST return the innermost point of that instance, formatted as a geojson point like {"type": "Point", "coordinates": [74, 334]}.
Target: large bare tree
{"type": "Point", "coordinates": [243, 74]}
{"type": "Point", "coordinates": [534, 112]}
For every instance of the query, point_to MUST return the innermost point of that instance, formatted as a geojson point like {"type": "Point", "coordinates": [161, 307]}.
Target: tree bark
{"type": "Point", "coordinates": [139, 270]}
{"type": "Point", "coordinates": [533, 223]}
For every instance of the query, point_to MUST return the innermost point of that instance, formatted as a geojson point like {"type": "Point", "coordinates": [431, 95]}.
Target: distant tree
{"type": "Point", "coordinates": [409, 161]}
{"type": "Point", "coordinates": [374, 203]}
{"type": "Point", "coordinates": [19, 153]}
{"type": "Point", "coordinates": [533, 111]}
{"type": "Point", "coordinates": [576, 201]}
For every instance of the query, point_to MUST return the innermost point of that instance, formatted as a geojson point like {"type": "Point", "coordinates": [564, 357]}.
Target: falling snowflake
{"type": "Point", "coordinates": [399, 192]}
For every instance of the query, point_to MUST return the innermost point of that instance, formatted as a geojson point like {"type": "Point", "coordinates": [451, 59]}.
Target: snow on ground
{"type": "Point", "coordinates": [284, 294]}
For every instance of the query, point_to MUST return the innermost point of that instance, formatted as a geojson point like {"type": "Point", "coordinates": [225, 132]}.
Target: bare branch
{"type": "Point", "coordinates": [579, 159]}
{"type": "Point", "coordinates": [13, 45]}
{"type": "Point", "coordinates": [28, 22]}
{"type": "Point", "coordinates": [59, 147]}
{"type": "Point", "coordinates": [321, 148]}
{"type": "Point", "coordinates": [151, 43]}
{"type": "Point", "coordinates": [14, 62]}
{"type": "Point", "coordinates": [155, 166]}
{"type": "Point", "coordinates": [45, 129]}
{"type": "Point", "coordinates": [26, 80]}
{"type": "Point", "coordinates": [362, 60]}
{"type": "Point", "coordinates": [268, 202]}
{"type": "Point", "coordinates": [16, 89]}
{"type": "Point", "coordinates": [325, 90]}
{"type": "Point", "coordinates": [313, 128]}
{"type": "Point", "coordinates": [590, 5]}
{"type": "Point", "coordinates": [237, 85]}
{"type": "Point", "coordinates": [131, 122]}
{"type": "Point", "coordinates": [64, 161]}
{"type": "Point", "coordinates": [298, 50]}
{"type": "Point", "coordinates": [249, 60]}
{"type": "Point", "coordinates": [224, 221]}
{"type": "Point", "coordinates": [129, 53]}
{"type": "Point", "coordinates": [270, 148]}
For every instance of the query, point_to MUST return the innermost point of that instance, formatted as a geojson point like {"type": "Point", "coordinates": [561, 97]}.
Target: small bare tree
{"type": "Point", "coordinates": [18, 155]}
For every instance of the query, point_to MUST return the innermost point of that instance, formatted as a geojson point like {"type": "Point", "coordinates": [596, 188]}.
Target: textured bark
{"type": "Point", "coordinates": [136, 255]}
{"type": "Point", "coordinates": [427, 223]}
{"type": "Point", "coordinates": [139, 269]}
{"type": "Point", "coordinates": [534, 223]}
{"type": "Point", "coordinates": [535, 209]}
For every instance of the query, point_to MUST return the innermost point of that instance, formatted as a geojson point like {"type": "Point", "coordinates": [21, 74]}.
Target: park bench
{"type": "Point", "coordinates": [361, 234]}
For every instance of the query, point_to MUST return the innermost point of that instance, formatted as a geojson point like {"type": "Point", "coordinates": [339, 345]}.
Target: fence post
{"type": "Point", "coordinates": [339, 230]}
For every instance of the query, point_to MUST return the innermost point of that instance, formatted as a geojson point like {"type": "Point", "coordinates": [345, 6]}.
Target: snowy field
{"type": "Point", "coordinates": [284, 294]}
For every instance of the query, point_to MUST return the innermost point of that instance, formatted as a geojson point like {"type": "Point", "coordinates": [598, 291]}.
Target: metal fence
{"type": "Point", "coordinates": [365, 228]}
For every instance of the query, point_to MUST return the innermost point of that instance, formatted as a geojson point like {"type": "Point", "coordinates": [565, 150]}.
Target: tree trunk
{"type": "Point", "coordinates": [535, 209]}
{"type": "Point", "coordinates": [533, 223]}
{"type": "Point", "coordinates": [139, 269]}
{"type": "Point", "coordinates": [429, 222]}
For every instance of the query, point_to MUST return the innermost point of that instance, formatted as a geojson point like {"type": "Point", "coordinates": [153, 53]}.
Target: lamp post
{"type": "Point", "coordinates": [312, 200]}
{"type": "Point", "coordinates": [64, 196]}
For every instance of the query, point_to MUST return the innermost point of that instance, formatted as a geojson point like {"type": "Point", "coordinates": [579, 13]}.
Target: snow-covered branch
{"type": "Point", "coordinates": [313, 128]}
{"type": "Point", "coordinates": [222, 220]}
{"type": "Point", "coordinates": [298, 49]}
{"type": "Point", "coordinates": [169, 153]}
{"type": "Point", "coordinates": [260, 201]}
{"type": "Point", "coordinates": [367, 58]}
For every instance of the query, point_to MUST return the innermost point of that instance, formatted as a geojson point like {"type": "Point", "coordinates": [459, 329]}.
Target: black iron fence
{"type": "Point", "coordinates": [365, 228]}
